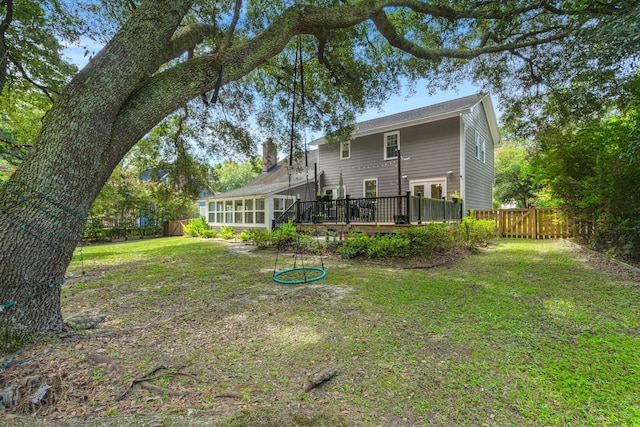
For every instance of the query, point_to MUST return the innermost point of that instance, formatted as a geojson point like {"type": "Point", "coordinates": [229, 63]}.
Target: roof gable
{"type": "Point", "coordinates": [430, 113]}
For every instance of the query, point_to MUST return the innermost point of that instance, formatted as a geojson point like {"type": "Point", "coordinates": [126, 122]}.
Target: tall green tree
{"type": "Point", "coordinates": [166, 53]}
{"type": "Point", "coordinates": [32, 69]}
{"type": "Point", "coordinates": [515, 179]}
{"type": "Point", "coordinates": [167, 152]}
{"type": "Point", "coordinates": [230, 175]}
{"type": "Point", "coordinates": [594, 169]}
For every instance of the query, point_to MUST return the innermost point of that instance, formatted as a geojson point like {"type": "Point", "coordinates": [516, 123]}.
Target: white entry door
{"type": "Point", "coordinates": [430, 188]}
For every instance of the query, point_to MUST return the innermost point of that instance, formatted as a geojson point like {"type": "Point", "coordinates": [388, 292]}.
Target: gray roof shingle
{"type": "Point", "coordinates": [274, 181]}
{"type": "Point", "coordinates": [448, 107]}
{"type": "Point", "coordinates": [422, 114]}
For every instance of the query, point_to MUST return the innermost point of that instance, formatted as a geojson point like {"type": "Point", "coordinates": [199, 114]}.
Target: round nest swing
{"type": "Point", "coordinates": [299, 275]}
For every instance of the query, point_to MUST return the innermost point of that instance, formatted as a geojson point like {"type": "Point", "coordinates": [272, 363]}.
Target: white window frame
{"type": "Point", "coordinates": [260, 212]}
{"type": "Point", "coordinates": [218, 210]}
{"type": "Point", "coordinates": [480, 147]}
{"type": "Point", "coordinates": [364, 186]}
{"type": "Point", "coordinates": [484, 151]}
{"type": "Point", "coordinates": [211, 211]}
{"type": "Point", "coordinates": [342, 145]}
{"type": "Point", "coordinates": [286, 202]}
{"type": "Point", "coordinates": [427, 184]}
{"type": "Point", "coordinates": [386, 141]}
{"type": "Point", "coordinates": [249, 211]}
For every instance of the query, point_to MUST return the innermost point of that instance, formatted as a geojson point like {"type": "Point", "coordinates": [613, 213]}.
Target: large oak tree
{"type": "Point", "coordinates": [169, 52]}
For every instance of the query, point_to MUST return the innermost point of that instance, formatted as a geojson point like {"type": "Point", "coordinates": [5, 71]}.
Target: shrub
{"type": "Point", "coordinates": [261, 238]}
{"type": "Point", "coordinates": [354, 245]}
{"type": "Point", "coordinates": [620, 238]}
{"type": "Point", "coordinates": [472, 231]}
{"type": "Point", "coordinates": [285, 236]}
{"type": "Point", "coordinates": [195, 227]}
{"type": "Point", "coordinates": [308, 241]}
{"type": "Point", "coordinates": [387, 246]}
{"type": "Point", "coordinates": [208, 234]}
{"type": "Point", "coordinates": [94, 229]}
{"type": "Point", "coordinates": [425, 241]}
{"type": "Point", "coordinates": [245, 235]}
{"type": "Point", "coordinates": [226, 231]}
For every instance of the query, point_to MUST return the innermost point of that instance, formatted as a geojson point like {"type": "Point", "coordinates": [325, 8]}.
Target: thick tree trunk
{"type": "Point", "coordinates": [42, 212]}
{"type": "Point", "coordinates": [44, 205]}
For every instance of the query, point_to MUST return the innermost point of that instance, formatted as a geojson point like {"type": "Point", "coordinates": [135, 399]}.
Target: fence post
{"type": "Point", "coordinates": [533, 223]}
{"type": "Point", "coordinates": [419, 208]}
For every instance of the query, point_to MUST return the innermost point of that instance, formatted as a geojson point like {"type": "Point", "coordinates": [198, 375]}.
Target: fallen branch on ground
{"type": "Point", "coordinates": [314, 380]}
{"type": "Point", "coordinates": [144, 382]}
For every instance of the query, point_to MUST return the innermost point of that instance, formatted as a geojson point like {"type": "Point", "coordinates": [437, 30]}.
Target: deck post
{"type": "Point", "coordinates": [298, 217]}
{"type": "Point", "coordinates": [444, 209]}
{"type": "Point", "coordinates": [408, 196]}
{"type": "Point", "coordinates": [347, 209]}
{"type": "Point", "coordinates": [419, 208]}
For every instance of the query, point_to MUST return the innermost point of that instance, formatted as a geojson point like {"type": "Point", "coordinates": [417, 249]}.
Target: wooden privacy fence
{"type": "Point", "coordinates": [534, 223]}
{"type": "Point", "coordinates": [174, 228]}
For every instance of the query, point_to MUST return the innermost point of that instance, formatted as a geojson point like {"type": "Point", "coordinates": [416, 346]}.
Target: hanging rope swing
{"type": "Point", "coordinates": [297, 275]}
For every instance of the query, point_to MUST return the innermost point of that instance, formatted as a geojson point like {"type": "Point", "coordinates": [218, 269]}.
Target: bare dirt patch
{"type": "Point", "coordinates": [600, 262]}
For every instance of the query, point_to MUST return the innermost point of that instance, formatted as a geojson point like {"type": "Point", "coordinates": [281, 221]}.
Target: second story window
{"type": "Point", "coordinates": [391, 145]}
{"type": "Point", "coordinates": [483, 154]}
{"type": "Point", "coordinates": [345, 150]}
{"type": "Point", "coordinates": [481, 147]}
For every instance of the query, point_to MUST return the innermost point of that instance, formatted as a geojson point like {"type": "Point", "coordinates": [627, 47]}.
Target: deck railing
{"type": "Point", "coordinates": [406, 209]}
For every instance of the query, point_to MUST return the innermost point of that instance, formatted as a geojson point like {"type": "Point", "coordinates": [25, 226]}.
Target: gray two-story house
{"type": "Point", "coordinates": [441, 151]}
{"type": "Point", "coordinates": [444, 150]}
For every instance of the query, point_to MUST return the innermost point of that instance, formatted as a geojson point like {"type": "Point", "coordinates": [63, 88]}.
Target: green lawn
{"type": "Point", "coordinates": [522, 334]}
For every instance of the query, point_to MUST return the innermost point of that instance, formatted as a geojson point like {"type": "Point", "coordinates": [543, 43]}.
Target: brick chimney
{"type": "Point", "coordinates": [269, 155]}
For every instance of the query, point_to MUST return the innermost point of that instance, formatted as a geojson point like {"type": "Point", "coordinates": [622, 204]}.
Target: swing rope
{"type": "Point", "coordinates": [282, 276]}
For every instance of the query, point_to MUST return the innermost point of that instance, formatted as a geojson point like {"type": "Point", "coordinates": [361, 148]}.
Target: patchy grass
{"type": "Point", "coordinates": [523, 333]}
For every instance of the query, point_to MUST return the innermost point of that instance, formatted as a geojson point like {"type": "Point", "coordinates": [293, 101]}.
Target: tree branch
{"type": "Point", "coordinates": [188, 80]}
{"type": "Point", "coordinates": [451, 14]}
{"type": "Point", "coordinates": [185, 40]}
{"type": "Point", "coordinates": [227, 38]}
{"type": "Point", "coordinates": [324, 61]}
{"type": "Point", "coordinates": [26, 76]}
{"type": "Point", "coordinates": [129, 59]}
{"type": "Point", "coordinates": [605, 9]}
{"type": "Point", "coordinates": [530, 63]}
{"type": "Point", "coordinates": [8, 17]}
{"type": "Point", "coordinates": [388, 31]}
